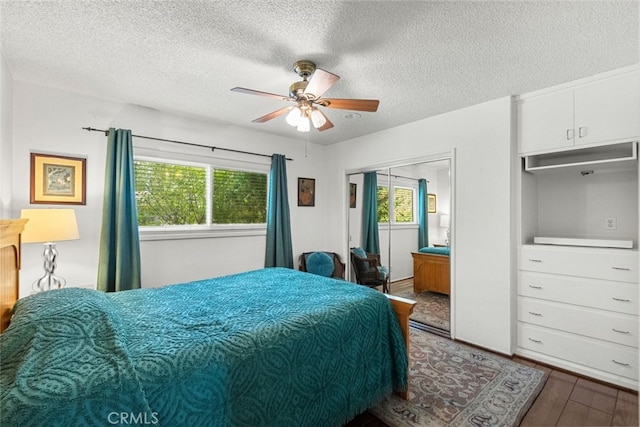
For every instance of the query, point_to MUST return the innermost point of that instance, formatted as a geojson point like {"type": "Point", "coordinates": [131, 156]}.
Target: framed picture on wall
{"type": "Point", "coordinates": [352, 195]}
{"type": "Point", "coordinates": [306, 192]}
{"type": "Point", "coordinates": [431, 203]}
{"type": "Point", "coordinates": [58, 179]}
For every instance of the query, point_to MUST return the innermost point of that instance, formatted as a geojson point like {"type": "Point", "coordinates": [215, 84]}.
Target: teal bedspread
{"type": "Point", "coordinates": [272, 347]}
{"type": "Point", "coordinates": [445, 250]}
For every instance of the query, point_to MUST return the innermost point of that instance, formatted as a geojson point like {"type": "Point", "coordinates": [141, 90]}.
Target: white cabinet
{"type": "Point", "coordinates": [578, 303]}
{"type": "Point", "coordinates": [603, 111]}
{"type": "Point", "coordinates": [609, 110]}
{"type": "Point", "coordinates": [578, 310]}
{"type": "Point", "coordinates": [607, 264]}
{"type": "Point", "coordinates": [546, 122]}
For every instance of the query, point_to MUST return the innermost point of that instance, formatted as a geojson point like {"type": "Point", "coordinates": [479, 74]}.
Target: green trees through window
{"type": "Point", "coordinates": [403, 204]}
{"type": "Point", "coordinates": [169, 194]}
{"type": "Point", "coordinates": [239, 197]}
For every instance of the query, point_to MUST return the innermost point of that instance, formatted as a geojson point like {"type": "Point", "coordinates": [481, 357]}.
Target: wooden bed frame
{"type": "Point", "coordinates": [10, 230]}
{"type": "Point", "coordinates": [431, 273]}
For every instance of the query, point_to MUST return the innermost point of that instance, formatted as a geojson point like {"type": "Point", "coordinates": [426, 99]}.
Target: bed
{"type": "Point", "coordinates": [270, 347]}
{"type": "Point", "coordinates": [431, 270]}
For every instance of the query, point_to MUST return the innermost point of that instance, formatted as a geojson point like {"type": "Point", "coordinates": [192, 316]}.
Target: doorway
{"type": "Point", "coordinates": [398, 195]}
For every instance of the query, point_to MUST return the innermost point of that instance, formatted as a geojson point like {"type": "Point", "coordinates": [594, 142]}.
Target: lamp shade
{"type": "Point", "coordinates": [444, 221]}
{"type": "Point", "coordinates": [49, 225]}
{"type": "Point", "coordinates": [317, 118]}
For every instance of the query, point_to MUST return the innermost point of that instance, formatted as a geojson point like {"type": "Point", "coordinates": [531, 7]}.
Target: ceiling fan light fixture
{"type": "Point", "coordinates": [294, 117]}
{"type": "Point", "coordinates": [303, 125]}
{"type": "Point", "coordinates": [317, 118]}
{"type": "Point", "coordinates": [307, 94]}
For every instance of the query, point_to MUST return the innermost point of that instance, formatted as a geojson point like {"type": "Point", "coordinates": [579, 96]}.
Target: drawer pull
{"type": "Point", "coordinates": [619, 363]}
{"type": "Point", "coordinates": [620, 332]}
{"type": "Point", "coordinates": [536, 341]}
{"type": "Point", "coordinates": [621, 299]}
{"type": "Point", "coordinates": [537, 260]}
{"type": "Point", "coordinates": [535, 287]}
{"type": "Point", "coordinates": [621, 268]}
{"type": "Point", "coordinates": [535, 314]}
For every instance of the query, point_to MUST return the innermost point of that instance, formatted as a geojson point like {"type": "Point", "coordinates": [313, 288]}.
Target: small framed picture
{"type": "Point", "coordinates": [306, 192]}
{"type": "Point", "coordinates": [431, 203]}
{"type": "Point", "coordinates": [352, 195]}
{"type": "Point", "coordinates": [58, 179]}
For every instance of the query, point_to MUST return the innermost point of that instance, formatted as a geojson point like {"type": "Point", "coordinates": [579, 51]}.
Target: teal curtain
{"type": "Point", "coordinates": [279, 252]}
{"type": "Point", "coordinates": [370, 237]}
{"type": "Point", "coordinates": [423, 216]}
{"type": "Point", "coordinates": [119, 262]}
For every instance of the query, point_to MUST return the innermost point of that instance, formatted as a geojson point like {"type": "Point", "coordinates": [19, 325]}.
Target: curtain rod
{"type": "Point", "coordinates": [106, 132]}
{"type": "Point", "coordinates": [399, 176]}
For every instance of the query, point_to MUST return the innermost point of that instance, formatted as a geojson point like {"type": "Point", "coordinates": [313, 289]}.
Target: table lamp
{"type": "Point", "coordinates": [49, 226]}
{"type": "Point", "coordinates": [444, 223]}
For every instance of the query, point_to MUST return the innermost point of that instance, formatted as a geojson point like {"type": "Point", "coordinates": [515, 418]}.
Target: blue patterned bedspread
{"type": "Point", "coordinates": [272, 347]}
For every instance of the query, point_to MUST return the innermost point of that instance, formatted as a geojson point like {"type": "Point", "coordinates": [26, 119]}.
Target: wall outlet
{"type": "Point", "coordinates": [610, 223]}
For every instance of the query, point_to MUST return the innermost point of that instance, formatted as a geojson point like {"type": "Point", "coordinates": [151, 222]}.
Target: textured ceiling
{"type": "Point", "coordinates": [419, 58]}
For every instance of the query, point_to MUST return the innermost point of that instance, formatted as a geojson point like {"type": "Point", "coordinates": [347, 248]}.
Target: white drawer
{"type": "Point", "coordinates": [600, 324]}
{"type": "Point", "coordinates": [615, 359]}
{"type": "Point", "coordinates": [607, 295]}
{"type": "Point", "coordinates": [598, 263]}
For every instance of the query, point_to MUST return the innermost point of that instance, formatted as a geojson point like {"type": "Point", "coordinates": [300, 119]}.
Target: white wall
{"type": "Point", "coordinates": [443, 206]}
{"type": "Point", "coordinates": [6, 137]}
{"type": "Point", "coordinates": [482, 260]}
{"type": "Point", "coordinates": [48, 120]}
{"type": "Point", "coordinates": [572, 205]}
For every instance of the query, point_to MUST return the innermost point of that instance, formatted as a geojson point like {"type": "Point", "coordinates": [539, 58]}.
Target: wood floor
{"type": "Point", "coordinates": [571, 400]}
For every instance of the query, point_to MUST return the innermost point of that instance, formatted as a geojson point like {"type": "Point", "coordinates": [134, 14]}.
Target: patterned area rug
{"type": "Point", "coordinates": [457, 385]}
{"type": "Point", "coordinates": [432, 308]}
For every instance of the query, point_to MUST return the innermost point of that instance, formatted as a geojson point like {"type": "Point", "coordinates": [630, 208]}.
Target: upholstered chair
{"type": "Point", "coordinates": [369, 270]}
{"type": "Point", "coordinates": [328, 264]}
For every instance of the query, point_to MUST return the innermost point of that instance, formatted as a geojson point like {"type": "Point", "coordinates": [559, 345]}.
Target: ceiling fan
{"type": "Point", "coordinates": [306, 95]}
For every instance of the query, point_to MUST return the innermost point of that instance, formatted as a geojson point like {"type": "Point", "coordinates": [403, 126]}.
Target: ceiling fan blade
{"type": "Point", "coordinates": [259, 93]}
{"type": "Point", "coordinates": [370, 105]}
{"type": "Point", "coordinates": [320, 82]}
{"type": "Point", "coordinates": [327, 125]}
{"type": "Point", "coordinates": [272, 115]}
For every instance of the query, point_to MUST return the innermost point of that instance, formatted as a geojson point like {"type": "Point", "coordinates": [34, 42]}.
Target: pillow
{"type": "Point", "coordinates": [360, 252]}
{"type": "Point", "coordinates": [320, 263]}
{"type": "Point", "coordinates": [383, 272]}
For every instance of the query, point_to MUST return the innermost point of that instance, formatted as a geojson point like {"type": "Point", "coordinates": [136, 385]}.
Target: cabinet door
{"type": "Point", "coordinates": [608, 110]}
{"type": "Point", "coordinates": [546, 122]}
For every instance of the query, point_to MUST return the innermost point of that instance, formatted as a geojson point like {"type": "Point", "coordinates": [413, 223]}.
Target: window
{"type": "Point", "coordinates": [173, 194]}
{"type": "Point", "coordinates": [403, 204]}
{"type": "Point", "coordinates": [239, 197]}
{"type": "Point", "coordinates": [383, 204]}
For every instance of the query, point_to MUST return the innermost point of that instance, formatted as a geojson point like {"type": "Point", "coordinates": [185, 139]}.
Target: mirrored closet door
{"type": "Point", "coordinates": [409, 237]}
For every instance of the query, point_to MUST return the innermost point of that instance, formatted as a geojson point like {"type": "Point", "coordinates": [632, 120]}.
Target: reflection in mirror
{"type": "Point", "coordinates": [414, 211]}
{"type": "Point", "coordinates": [367, 213]}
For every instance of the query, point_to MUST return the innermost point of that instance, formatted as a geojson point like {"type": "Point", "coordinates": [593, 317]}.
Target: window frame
{"type": "Point", "coordinates": [209, 229]}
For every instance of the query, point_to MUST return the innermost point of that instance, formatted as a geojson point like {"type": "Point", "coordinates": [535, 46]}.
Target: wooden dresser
{"type": "Point", "coordinates": [10, 230]}
{"type": "Point", "coordinates": [431, 273]}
